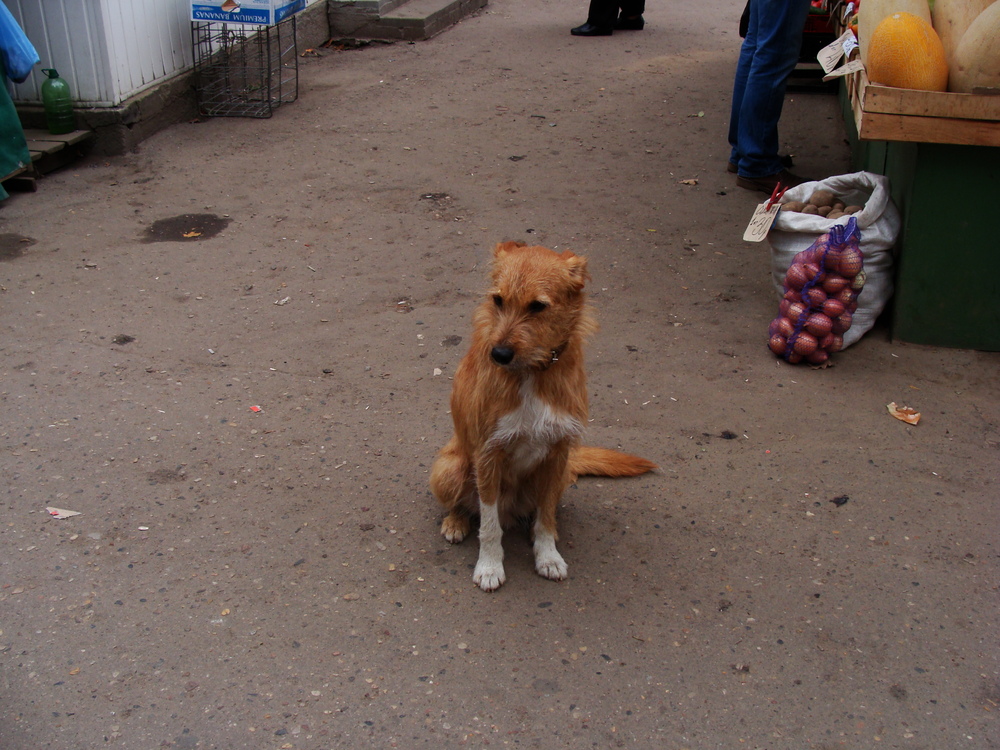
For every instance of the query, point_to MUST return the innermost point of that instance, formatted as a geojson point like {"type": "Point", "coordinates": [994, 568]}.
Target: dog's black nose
{"type": "Point", "coordinates": [502, 355]}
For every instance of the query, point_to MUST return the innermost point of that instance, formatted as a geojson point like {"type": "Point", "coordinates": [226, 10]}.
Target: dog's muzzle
{"type": "Point", "coordinates": [502, 355]}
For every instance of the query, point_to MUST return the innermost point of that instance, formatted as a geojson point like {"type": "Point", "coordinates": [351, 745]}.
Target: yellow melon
{"type": "Point", "coordinates": [906, 52]}
{"type": "Point", "coordinates": [871, 13]}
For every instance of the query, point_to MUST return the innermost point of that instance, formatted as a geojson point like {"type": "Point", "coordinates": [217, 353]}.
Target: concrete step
{"type": "Point", "coordinates": [415, 20]}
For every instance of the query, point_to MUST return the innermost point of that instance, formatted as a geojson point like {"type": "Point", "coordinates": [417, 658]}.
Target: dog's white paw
{"type": "Point", "coordinates": [489, 576]}
{"type": "Point", "coordinates": [551, 566]}
{"type": "Point", "coordinates": [548, 562]}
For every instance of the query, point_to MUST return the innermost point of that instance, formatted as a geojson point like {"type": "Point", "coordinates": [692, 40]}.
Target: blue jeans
{"type": "Point", "coordinates": [769, 54]}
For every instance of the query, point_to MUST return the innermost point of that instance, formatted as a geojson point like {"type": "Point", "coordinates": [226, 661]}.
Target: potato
{"type": "Point", "coordinates": [792, 206]}
{"type": "Point", "coordinates": [822, 198]}
{"type": "Point", "coordinates": [834, 214]}
{"type": "Point", "coordinates": [809, 208]}
{"type": "Point", "coordinates": [838, 205]}
{"type": "Point", "coordinates": [853, 209]}
{"type": "Point", "coordinates": [824, 210]}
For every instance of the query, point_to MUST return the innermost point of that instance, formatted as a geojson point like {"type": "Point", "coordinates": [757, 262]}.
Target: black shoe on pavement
{"type": "Point", "coordinates": [588, 29]}
{"type": "Point", "coordinates": [630, 24]}
{"type": "Point", "coordinates": [786, 162]}
{"type": "Point", "coordinates": [768, 183]}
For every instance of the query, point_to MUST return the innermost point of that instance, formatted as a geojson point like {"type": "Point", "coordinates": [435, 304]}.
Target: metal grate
{"type": "Point", "coordinates": [243, 70]}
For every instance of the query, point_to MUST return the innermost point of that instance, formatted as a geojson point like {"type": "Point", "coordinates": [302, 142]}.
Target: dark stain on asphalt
{"type": "Point", "coordinates": [186, 228]}
{"type": "Point", "coordinates": [12, 245]}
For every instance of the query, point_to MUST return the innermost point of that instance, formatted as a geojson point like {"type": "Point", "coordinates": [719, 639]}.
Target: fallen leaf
{"type": "Point", "coordinates": [689, 182]}
{"type": "Point", "coordinates": [192, 233]}
{"type": "Point", "coordinates": [903, 413]}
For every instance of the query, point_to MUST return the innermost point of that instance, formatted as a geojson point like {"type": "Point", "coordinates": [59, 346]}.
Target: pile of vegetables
{"type": "Point", "coordinates": [822, 203]}
{"type": "Point", "coordinates": [821, 294]}
{"type": "Point", "coordinates": [954, 47]}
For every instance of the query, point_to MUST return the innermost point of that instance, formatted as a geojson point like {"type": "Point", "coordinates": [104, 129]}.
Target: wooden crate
{"type": "Point", "coordinates": [48, 153]}
{"type": "Point", "coordinates": [884, 113]}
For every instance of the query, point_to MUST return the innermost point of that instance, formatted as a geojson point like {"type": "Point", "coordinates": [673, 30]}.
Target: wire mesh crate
{"type": "Point", "coordinates": [243, 70]}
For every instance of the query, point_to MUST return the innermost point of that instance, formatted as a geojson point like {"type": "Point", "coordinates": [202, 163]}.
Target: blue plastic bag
{"type": "Point", "coordinates": [16, 50]}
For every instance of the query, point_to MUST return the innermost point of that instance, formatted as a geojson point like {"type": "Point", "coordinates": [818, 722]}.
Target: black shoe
{"type": "Point", "coordinates": [630, 24]}
{"type": "Point", "coordinates": [767, 183]}
{"type": "Point", "coordinates": [786, 162]}
{"type": "Point", "coordinates": [588, 29]}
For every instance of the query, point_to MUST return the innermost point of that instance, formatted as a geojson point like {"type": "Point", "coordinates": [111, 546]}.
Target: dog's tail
{"type": "Point", "coordinates": [601, 462]}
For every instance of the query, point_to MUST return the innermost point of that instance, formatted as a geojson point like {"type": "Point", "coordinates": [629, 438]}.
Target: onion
{"type": "Point", "coordinates": [818, 357]}
{"type": "Point", "coordinates": [795, 277]}
{"type": "Point", "coordinates": [804, 343]}
{"type": "Point", "coordinates": [812, 271]}
{"type": "Point", "coordinates": [846, 296]}
{"type": "Point", "coordinates": [851, 262]}
{"type": "Point", "coordinates": [786, 327]}
{"type": "Point", "coordinates": [796, 310]}
{"type": "Point", "coordinates": [818, 324]}
{"type": "Point", "coordinates": [815, 297]}
{"type": "Point", "coordinates": [832, 343]}
{"type": "Point", "coordinates": [832, 259]}
{"type": "Point", "coordinates": [833, 307]}
{"type": "Point", "coordinates": [842, 322]}
{"type": "Point", "coordinates": [777, 344]}
{"type": "Point", "coordinates": [834, 282]}
{"type": "Point", "coordinates": [818, 247]}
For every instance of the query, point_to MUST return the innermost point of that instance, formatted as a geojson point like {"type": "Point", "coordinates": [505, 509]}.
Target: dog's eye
{"type": "Point", "coordinates": [536, 307]}
{"type": "Point", "coordinates": [498, 301]}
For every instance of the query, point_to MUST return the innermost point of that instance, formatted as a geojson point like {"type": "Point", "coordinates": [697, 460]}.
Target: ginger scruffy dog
{"type": "Point", "coordinates": [519, 406]}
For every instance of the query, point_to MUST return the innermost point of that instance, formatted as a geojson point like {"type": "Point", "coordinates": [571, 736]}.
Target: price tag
{"type": "Point", "coordinates": [761, 221]}
{"type": "Point", "coordinates": [846, 69]}
{"type": "Point", "coordinates": [830, 55]}
{"type": "Point", "coordinates": [850, 45]}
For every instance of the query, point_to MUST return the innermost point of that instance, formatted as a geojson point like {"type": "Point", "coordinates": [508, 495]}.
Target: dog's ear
{"type": "Point", "coordinates": [577, 267]}
{"type": "Point", "coordinates": [506, 247]}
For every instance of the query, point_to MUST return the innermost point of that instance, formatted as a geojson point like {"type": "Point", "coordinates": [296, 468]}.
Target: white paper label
{"type": "Point", "coordinates": [846, 69]}
{"type": "Point", "coordinates": [830, 55]}
{"type": "Point", "coordinates": [761, 221]}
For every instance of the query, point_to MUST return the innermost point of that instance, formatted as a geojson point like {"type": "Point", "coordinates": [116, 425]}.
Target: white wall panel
{"type": "Point", "coordinates": [107, 50]}
{"type": "Point", "coordinates": [69, 38]}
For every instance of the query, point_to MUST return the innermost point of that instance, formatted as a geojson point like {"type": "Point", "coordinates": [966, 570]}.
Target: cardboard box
{"type": "Point", "coordinates": [260, 12]}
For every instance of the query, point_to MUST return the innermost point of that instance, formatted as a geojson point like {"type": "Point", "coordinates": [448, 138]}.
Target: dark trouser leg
{"type": "Point", "coordinates": [602, 13]}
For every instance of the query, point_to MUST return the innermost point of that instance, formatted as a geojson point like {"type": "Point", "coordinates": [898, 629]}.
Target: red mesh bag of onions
{"type": "Point", "coordinates": [821, 294]}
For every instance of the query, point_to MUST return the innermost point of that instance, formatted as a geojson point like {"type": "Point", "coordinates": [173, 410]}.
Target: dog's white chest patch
{"type": "Point", "coordinates": [527, 432]}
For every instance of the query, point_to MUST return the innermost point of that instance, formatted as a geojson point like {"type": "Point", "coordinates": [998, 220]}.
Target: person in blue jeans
{"type": "Point", "coordinates": [603, 17]}
{"type": "Point", "coordinates": [768, 56]}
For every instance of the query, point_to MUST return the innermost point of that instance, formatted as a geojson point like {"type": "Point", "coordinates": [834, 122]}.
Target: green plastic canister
{"type": "Point", "coordinates": [58, 103]}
